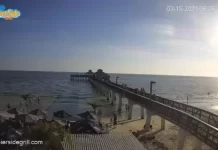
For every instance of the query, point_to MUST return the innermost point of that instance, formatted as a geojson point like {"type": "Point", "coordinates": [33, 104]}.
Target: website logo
{"type": "Point", "coordinates": [9, 14]}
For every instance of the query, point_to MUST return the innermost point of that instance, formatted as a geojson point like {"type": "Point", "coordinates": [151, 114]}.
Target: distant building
{"type": "Point", "coordinates": [89, 72]}
{"type": "Point", "coordinates": [101, 75]}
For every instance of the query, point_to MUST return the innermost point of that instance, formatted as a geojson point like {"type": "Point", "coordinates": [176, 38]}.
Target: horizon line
{"type": "Point", "coordinates": [115, 73]}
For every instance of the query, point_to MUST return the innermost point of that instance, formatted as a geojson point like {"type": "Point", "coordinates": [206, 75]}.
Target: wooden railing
{"type": "Point", "coordinates": [173, 112]}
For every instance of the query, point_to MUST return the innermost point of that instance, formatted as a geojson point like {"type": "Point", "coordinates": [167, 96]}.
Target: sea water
{"type": "Point", "coordinates": [73, 96]}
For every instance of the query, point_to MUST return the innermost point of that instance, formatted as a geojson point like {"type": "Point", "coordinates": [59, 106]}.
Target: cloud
{"type": "Point", "coordinates": [150, 27]}
{"type": "Point", "coordinates": [164, 29]}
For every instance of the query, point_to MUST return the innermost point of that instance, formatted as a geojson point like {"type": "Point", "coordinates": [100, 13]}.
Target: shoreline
{"type": "Point", "coordinates": [168, 137]}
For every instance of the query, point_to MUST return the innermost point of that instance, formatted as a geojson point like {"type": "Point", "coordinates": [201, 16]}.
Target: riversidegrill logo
{"type": "Point", "coordinates": [9, 14]}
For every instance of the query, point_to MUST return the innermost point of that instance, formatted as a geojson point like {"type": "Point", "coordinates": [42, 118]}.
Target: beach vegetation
{"type": "Point", "coordinates": [49, 132]}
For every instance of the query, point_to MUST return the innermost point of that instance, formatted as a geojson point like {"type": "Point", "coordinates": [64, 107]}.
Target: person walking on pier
{"type": "Point", "coordinates": [38, 100]}
{"type": "Point", "coordinates": [111, 121]}
{"type": "Point", "coordinates": [9, 106]}
{"type": "Point", "coordinates": [99, 115]}
{"type": "Point", "coordinates": [137, 91]}
{"type": "Point", "coordinates": [115, 119]}
{"type": "Point", "coordinates": [126, 107]}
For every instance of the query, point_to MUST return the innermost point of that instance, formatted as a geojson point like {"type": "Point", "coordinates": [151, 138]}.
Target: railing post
{"type": "Point", "coordinates": [151, 87]}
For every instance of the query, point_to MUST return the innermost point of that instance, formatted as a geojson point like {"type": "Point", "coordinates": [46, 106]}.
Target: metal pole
{"type": "Point", "coordinates": [116, 79]}
{"type": "Point", "coordinates": [151, 87]}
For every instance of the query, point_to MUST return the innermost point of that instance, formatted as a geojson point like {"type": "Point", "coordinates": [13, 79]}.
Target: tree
{"type": "Point", "coordinates": [94, 105]}
{"type": "Point", "coordinates": [45, 131]}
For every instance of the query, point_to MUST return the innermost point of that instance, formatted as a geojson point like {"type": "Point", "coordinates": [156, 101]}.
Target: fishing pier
{"type": "Point", "coordinates": [191, 120]}
{"type": "Point", "coordinates": [79, 77]}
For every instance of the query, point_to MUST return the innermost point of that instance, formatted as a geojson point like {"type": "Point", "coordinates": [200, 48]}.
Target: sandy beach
{"type": "Point", "coordinates": [169, 136]}
{"type": "Point", "coordinates": [19, 103]}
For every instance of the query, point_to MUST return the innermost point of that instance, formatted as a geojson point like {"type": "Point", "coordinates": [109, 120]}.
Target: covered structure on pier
{"type": "Point", "coordinates": [89, 72]}
{"type": "Point", "coordinates": [102, 75]}
{"type": "Point", "coordinates": [79, 77]}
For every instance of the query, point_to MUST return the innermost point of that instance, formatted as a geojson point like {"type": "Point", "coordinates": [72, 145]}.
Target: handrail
{"type": "Point", "coordinates": [205, 132]}
{"type": "Point", "coordinates": [204, 115]}
{"type": "Point", "coordinates": [120, 88]}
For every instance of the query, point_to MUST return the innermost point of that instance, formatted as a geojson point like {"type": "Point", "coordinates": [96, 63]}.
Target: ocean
{"type": "Point", "coordinates": [72, 96]}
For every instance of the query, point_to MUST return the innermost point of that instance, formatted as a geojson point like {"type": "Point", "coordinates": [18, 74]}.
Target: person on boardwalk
{"type": "Point", "coordinates": [115, 119]}
{"type": "Point", "coordinates": [151, 127]}
{"type": "Point", "coordinates": [111, 121]}
{"type": "Point", "coordinates": [9, 106]}
{"type": "Point", "coordinates": [119, 111]}
{"type": "Point", "coordinates": [67, 125]}
{"type": "Point", "coordinates": [126, 107]}
{"type": "Point", "coordinates": [99, 115]}
{"type": "Point", "coordinates": [38, 100]}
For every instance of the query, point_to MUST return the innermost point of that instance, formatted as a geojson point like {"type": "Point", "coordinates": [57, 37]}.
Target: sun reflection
{"type": "Point", "coordinates": [214, 107]}
{"type": "Point", "coordinates": [211, 35]}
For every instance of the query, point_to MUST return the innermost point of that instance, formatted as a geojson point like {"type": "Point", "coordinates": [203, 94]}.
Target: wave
{"type": "Point", "coordinates": [67, 102]}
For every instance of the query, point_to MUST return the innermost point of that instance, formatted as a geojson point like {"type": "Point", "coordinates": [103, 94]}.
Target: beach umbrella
{"type": "Point", "coordinates": [61, 114]}
{"type": "Point", "coordinates": [37, 112]}
{"type": "Point", "coordinates": [88, 115]}
{"type": "Point", "coordinates": [34, 117]}
{"type": "Point", "coordinates": [72, 118]}
{"type": "Point", "coordinates": [14, 111]}
{"type": "Point", "coordinates": [6, 115]}
{"type": "Point", "coordinates": [86, 126]}
{"type": "Point", "coordinates": [95, 126]}
{"type": "Point", "coordinates": [26, 118]}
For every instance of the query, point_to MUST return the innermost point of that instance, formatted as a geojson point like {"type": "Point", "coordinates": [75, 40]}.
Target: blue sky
{"type": "Point", "coordinates": [119, 36]}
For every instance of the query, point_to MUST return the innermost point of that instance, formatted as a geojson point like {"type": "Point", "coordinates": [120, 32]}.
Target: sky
{"type": "Point", "coordinates": [119, 36]}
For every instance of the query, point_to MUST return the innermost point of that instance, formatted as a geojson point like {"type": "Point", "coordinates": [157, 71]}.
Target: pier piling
{"type": "Point", "coordinates": [182, 136]}
{"type": "Point", "coordinates": [148, 119]}
{"type": "Point", "coordinates": [130, 104]}
{"type": "Point", "coordinates": [162, 123]}
{"type": "Point", "coordinates": [197, 144]}
{"type": "Point", "coordinates": [142, 112]}
{"type": "Point", "coordinates": [120, 102]}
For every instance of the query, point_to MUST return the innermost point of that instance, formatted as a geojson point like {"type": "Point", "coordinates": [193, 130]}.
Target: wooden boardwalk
{"type": "Point", "coordinates": [115, 141]}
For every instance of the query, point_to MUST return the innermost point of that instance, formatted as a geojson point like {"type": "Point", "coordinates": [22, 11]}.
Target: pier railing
{"type": "Point", "coordinates": [202, 130]}
{"type": "Point", "coordinates": [201, 114]}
